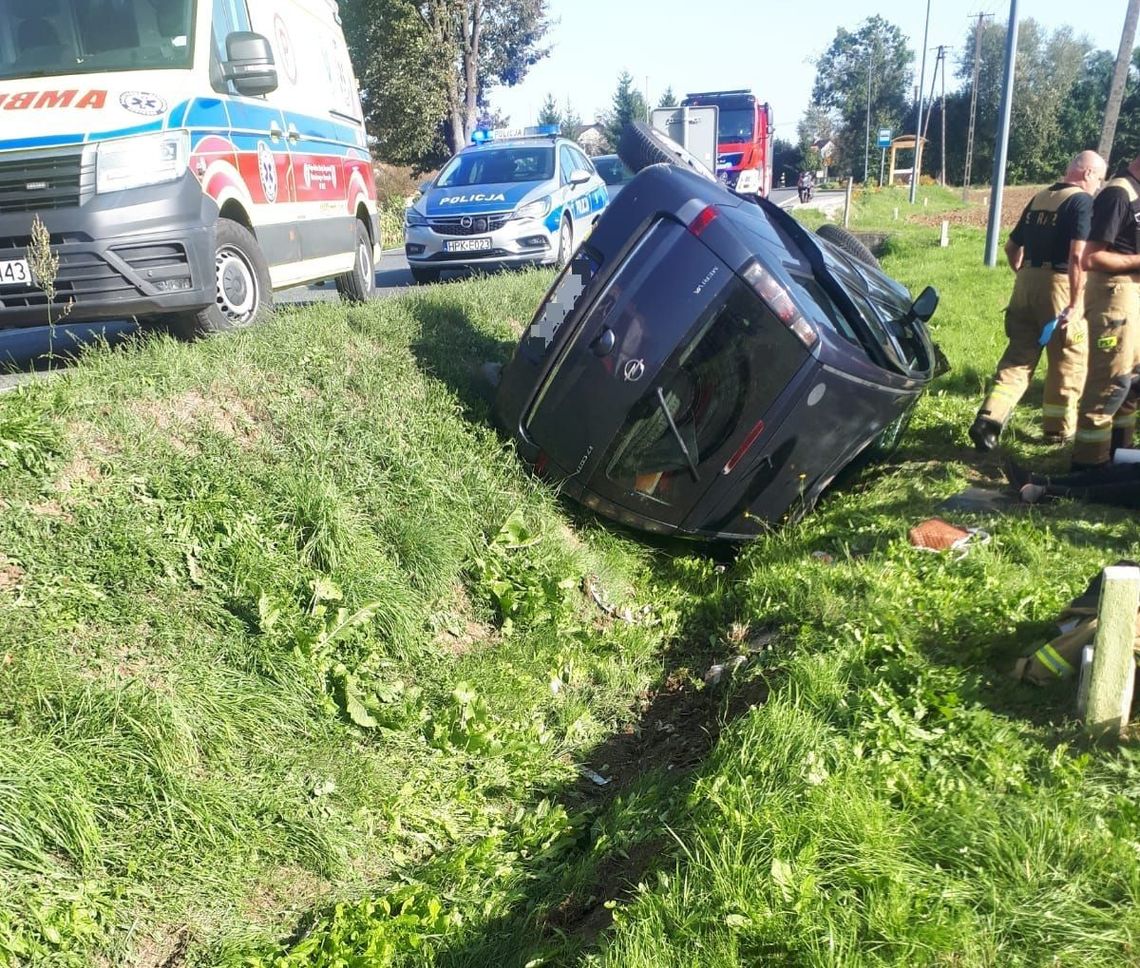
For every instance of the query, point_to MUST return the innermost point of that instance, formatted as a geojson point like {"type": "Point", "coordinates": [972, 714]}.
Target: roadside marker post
{"type": "Point", "coordinates": [847, 202]}
{"type": "Point", "coordinates": [1114, 664]}
{"type": "Point", "coordinates": [944, 241]}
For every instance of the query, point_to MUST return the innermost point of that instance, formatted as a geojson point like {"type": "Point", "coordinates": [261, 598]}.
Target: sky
{"type": "Point", "coordinates": [696, 46]}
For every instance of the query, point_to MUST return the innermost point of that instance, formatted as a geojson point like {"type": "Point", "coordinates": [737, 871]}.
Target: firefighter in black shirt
{"type": "Point", "coordinates": [1107, 416]}
{"type": "Point", "coordinates": [1045, 251]}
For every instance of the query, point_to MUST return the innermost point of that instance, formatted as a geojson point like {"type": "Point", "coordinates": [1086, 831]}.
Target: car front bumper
{"type": "Point", "coordinates": [132, 254]}
{"type": "Point", "coordinates": [515, 242]}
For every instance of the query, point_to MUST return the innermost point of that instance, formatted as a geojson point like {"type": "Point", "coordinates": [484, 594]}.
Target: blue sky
{"type": "Point", "coordinates": [708, 46]}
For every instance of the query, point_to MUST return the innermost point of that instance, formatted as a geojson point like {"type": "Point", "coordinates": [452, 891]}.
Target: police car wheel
{"type": "Point", "coordinates": [565, 243]}
{"type": "Point", "coordinates": [425, 276]}
{"type": "Point", "coordinates": [360, 284]}
{"type": "Point", "coordinates": [842, 239]}
{"type": "Point", "coordinates": [243, 293]}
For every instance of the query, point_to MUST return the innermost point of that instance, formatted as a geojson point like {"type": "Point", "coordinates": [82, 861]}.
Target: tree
{"type": "Point", "coordinates": [787, 162]}
{"type": "Point", "coordinates": [1119, 78]}
{"type": "Point", "coordinates": [875, 57]}
{"type": "Point", "coordinates": [571, 122]}
{"type": "Point", "coordinates": [668, 99]}
{"type": "Point", "coordinates": [428, 63]}
{"type": "Point", "coordinates": [628, 105]}
{"type": "Point", "coordinates": [549, 113]}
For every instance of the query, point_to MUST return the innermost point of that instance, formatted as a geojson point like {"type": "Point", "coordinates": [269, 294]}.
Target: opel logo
{"type": "Point", "coordinates": [465, 221]}
{"type": "Point", "coordinates": [633, 370]}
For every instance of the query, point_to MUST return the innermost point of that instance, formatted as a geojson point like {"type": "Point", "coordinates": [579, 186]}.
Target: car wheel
{"type": "Point", "coordinates": [243, 293]}
{"type": "Point", "coordinates": [842, 239]}
{"type": "Point", "coordinates": [359, 285]}
{"type": "Point", "coordinates": [642, 146]}
{"type": "Point", "coordinates": [565, 243]}
{"type": "Point", "coordinates": [424, 276]}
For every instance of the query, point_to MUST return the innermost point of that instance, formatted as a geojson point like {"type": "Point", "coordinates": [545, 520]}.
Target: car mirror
{"type": "Point", "coordinates": [249, 63]}
{"type": "Point", "coordinates": [925, 304]}
{"type": "Point", "coordinates": [425, 187]}
{"type": "Point", "coordinates": [579, 176]}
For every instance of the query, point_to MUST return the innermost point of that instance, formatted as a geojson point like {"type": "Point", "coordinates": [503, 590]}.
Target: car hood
{"type": "Point", "coordinates": [481, 199]}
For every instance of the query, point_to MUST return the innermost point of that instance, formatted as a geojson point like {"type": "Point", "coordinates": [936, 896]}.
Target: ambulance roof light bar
{"type": "Point", "coordinates": [481, 136]}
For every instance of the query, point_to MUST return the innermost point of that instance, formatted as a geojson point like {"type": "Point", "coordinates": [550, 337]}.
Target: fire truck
{"type": "Point", "coordinates": [744, 139]}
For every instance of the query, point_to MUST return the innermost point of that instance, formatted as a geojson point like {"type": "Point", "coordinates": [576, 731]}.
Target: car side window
{"type": "Point", "coordinates": [565, 164]}
{"type": "Point", "coordinates": [581, 161]}
{"type": "Point", "coordinates": [227, 16]}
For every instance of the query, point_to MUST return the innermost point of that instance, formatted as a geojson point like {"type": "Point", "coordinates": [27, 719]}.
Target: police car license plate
{"type": "Point", "coordinates": [467, 245]}
{"type": "Point", "coordinates": [15, 273]}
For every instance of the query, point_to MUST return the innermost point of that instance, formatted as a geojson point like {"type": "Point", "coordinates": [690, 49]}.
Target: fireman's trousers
{"type": "Point", "coordinates": [1113, 309]}
{"type": "Point", "coordinates": [1039, 295]}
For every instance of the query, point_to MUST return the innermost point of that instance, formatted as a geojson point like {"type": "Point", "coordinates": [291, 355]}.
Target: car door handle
{"type": "Point", "coordinates": [275, 132]}
{"type": "Point", "coordinates": [293, 133]}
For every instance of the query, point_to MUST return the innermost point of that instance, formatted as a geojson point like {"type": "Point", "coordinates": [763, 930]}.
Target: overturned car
{"type": "Point", "coordinates": [704, 366]}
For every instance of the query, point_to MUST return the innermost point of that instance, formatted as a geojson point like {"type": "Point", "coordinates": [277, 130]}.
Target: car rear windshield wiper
{"type": "Point", "coordinates": [677, 436]}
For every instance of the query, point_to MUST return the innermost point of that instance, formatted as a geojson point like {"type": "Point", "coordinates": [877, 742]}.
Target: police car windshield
{"type": "Point", "coordinates": [497, 166]}
{"type": "Point", "coordinates": [40, 38]}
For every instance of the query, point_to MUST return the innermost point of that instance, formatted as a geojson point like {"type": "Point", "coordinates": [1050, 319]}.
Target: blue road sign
{"type": "Point", "coordinates": [884, 138]}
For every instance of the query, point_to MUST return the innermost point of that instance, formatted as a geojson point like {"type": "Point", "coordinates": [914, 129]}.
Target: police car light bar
{"type": "Point", "coordinates": [483, 135]}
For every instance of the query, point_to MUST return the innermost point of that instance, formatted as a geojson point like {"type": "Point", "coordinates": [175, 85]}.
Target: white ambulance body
{"type": "Point", "coordinates": [186, 156]}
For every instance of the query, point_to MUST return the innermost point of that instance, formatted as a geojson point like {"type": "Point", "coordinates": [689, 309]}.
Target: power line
{"type": "Point", "coordinates": [982, 18]}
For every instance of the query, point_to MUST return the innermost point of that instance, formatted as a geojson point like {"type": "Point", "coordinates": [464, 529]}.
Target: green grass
{"type": "Point", "coordinates": [297, 670]}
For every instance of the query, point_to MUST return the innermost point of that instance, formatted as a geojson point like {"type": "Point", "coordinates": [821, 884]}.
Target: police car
{"type": "Point", "coordinates": [513, 197]}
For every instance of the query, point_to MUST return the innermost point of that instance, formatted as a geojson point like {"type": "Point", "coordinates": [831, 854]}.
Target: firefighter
{"type": "Point", "coordinates": [1045, 250]}
{"type": "Point", "coordinates": [1112, 260]}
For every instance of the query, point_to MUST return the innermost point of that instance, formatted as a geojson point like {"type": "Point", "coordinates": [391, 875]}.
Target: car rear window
{"type": "Point", "coordinates": [723, 382]}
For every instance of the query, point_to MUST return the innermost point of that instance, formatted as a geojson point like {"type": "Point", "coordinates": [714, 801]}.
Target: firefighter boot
{"type": "Point", "coordinates": [984, 433]}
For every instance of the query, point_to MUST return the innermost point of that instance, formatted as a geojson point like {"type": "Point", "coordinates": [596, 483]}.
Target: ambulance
{"type": "Point", "coordinates": [187, 158]}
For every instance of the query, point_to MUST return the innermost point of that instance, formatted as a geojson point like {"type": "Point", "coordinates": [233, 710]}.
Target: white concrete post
{"type": "Point", "coordinates": [1114, 664]}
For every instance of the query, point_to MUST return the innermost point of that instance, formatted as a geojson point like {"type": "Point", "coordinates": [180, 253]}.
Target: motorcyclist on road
{"type": "Point", "coordinates": [805, 185]}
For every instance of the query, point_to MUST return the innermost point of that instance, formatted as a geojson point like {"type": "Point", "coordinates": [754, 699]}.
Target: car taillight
{"type": "Point", "coordinates": [744, 447]}
{"type": "Point", "coordinates": [703, 220]}
{"type": "Point", "coordinates": [779, 300]}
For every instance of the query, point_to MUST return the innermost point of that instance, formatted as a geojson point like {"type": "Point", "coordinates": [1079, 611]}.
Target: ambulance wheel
{"type": "Point", "coordinates": [642, 146]}
{"type": "Point", "coordinates": [842, 239]}
{"type": "Point", "coordinates": [243, 293]}
{"type": "Point", "coordinates": [424, 276]}
{"type": "Point", "coordinates": [565, 243]}
{"type": "Point", "coordinates": [359, 285]}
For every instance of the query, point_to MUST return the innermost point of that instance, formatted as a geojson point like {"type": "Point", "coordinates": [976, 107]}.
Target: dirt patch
{"type": "Point", "coordinates": [11, 576]}
{"type": "Point", "coordinates": [460, 631]}
{"type": "Point", "coordinates": [283, 895]}
{"type": "Point", "coordinates": [1013, 201]}
{"type": "Point", "coordinates": [218, 408]}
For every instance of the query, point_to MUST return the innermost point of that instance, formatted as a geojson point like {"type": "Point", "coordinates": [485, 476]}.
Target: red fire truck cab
{"type": "Point", "coordinates": [744, 139]}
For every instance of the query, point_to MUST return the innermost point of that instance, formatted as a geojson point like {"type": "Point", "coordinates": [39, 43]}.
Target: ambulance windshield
{"type": "Point", "coordinates": [41, 38]}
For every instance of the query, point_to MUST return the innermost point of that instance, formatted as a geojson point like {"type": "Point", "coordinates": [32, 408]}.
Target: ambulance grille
{"type": "Point", "coordinates": [476, 224]}
{"type": "Point", "coordinates": [45, 180]}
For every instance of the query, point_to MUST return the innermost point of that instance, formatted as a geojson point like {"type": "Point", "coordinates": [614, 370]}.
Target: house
{"type": "Point", "coordinates": [592, 138]}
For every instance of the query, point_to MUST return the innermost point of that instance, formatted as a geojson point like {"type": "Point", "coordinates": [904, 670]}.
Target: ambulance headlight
{"type": "Point", "coordinates": [148, 159]}
{"type": "Point", "coordinates": [539, 209]}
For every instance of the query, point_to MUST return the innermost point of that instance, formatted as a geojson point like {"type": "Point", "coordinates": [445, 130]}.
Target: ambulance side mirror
{"type": "Point", "coordinates": [249, 63]}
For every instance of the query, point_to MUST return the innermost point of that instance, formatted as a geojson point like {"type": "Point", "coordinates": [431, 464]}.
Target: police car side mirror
{"type": "Point", "coordinates": [249, 63]}
{"type": "Point", "coordinates": [925, 304]}
{"type": "Point", "coordinates": [425, 187]}
{"type": "Point", "coordinates": [579, 176]}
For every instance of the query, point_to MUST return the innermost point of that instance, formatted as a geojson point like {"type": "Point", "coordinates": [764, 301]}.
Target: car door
{"type": "Point", "coordinates": [257, 133]}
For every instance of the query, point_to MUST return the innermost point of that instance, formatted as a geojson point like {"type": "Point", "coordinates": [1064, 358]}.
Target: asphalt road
{"type": "Point", "coordinates": [22, 352]}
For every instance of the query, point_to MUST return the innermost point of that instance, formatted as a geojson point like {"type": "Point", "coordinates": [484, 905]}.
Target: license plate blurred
{"type": "Point", "coordinates": [15, 273]}
{"type": "Point", "coordinates": [467, 245]}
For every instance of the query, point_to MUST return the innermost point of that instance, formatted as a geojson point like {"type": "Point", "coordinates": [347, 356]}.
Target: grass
{"type": "Point", "coordinates": [299, 667]}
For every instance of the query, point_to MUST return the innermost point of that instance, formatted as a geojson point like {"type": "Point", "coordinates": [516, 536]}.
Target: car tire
{"type": "Point", "coordinates": [425, 276]}
{"type": "Point", "coordinates": [842, 239]}
{"type": "Point", "coordinates": [243, 292]}
{"type": "Point", "coordinates": [359, 285]}
{"type": "Point", "coordinates": [565, 243]}
{"type": "Point", "coordinates": [642, 146]}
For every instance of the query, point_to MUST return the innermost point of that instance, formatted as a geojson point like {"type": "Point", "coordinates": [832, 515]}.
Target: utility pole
{"type": "Point", "coordinates": [942, 141]}
{"type": "Point", "coordinates": [993, 229]}
{"type": "Point", "coordinates": [1119, 78]}
{"type": "Point", "coordinates": [982, 18]}
{"type": "Point", "coordinates": [867, 139]}
{"type": "Point", "coordinates": [917, 173]}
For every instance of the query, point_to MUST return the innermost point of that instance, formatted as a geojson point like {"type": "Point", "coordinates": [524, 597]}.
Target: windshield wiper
{"type": "Point", "coordinates": [677, 436]}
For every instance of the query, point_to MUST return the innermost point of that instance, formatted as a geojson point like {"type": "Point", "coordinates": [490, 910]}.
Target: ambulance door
{"type": "Point", "coordinates": [316, 83]}
{"type": "Point", "coordinates": [258, 132]}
